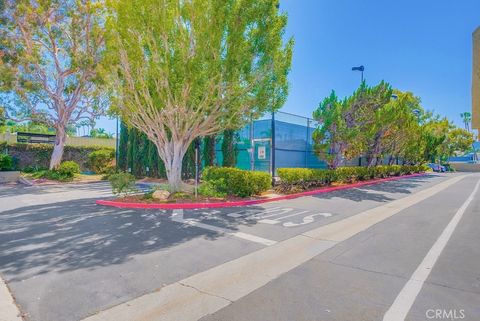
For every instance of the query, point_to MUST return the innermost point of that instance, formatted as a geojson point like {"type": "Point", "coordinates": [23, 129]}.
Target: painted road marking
{"type": "Point", "coordinates": [405, 299]}
{"type": "Point", "coordinates": [177, 216]}
{"type": "Point", "coordinates": [306, 220]}
{"type": "Point", "coordinates": [277, 220]}
{"type": "Point", "coordinates": [269, 216]}
{"type": "Point", "coordinates": [257, 213]}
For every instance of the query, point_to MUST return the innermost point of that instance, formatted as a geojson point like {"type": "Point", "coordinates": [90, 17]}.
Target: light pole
{"type": "Point", "coordinates": [361, 69]}
{"type": "Point", "coordinates": [417, 113]}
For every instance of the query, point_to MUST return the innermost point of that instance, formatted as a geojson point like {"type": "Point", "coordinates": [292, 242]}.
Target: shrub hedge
{"type": "Point", "coordinates": [100, 160]}
{"type": "Point", "coordinates": [296, 179]}
{"type": "Point", "coordinates": [37, 156]}
{"type": "Point", "coordinates": [6, 162]}
{"type": "Point", "coordinates": [234, 181]}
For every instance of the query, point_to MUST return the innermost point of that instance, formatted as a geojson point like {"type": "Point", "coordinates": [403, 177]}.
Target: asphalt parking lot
{"type": "Point", "coordinates": [65, 258]}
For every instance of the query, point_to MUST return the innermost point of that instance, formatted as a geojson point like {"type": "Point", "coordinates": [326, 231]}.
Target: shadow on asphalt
{"type": "Point", "coordinates": [369, 192]}
{"type": "Point", "coordinates": [20, 189]}
{"type": "Point", "coordinates": [78, 234]}
{"type": "Point", "coordinates": [71, 235]}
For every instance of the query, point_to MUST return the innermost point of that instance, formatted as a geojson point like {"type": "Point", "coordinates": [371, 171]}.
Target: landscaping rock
{"type": "Point", "coordinates": [161, 195]}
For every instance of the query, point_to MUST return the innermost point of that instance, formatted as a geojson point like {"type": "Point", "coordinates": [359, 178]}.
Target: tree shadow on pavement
{"type": "Point", "coordinates": [78, 234]}
{"type": "Point", "coordinates": [25, 190]}
{"type": "Point", "coordinates": [357, 195]}
{"type": "Point", "coordinates": [375, 192]}
{"type": "Point", "coordinates": [402, 186]}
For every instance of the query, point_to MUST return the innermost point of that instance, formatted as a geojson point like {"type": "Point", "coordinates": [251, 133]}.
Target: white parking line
{"type": "Point", "coordinates": [405, 299]}
{"type": "Point", "coordinates": [177, 216]}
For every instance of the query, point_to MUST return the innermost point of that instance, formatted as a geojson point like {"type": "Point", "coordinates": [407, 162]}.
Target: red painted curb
{"type": "Point", "coordinates": [171, 206]}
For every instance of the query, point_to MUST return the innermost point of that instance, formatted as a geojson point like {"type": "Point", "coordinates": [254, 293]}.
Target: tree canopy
{"type": "Point", "coordinates": [184, 69]}
{"type": "Point", "coordinates": [50, 54]}
{"type": "Point", "coordinates": [379, 121]}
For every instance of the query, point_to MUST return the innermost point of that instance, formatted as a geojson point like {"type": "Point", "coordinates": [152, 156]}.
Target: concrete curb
{"type": "Point", "coordinates": [184, 206]}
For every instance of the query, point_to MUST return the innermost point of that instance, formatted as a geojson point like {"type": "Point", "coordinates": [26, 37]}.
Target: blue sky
{"type": "Point", "coordinates": [423, 46]}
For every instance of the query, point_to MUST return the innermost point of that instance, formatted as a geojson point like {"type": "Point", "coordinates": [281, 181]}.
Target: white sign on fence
{"type": "Point", "coordinates": [262, 152]}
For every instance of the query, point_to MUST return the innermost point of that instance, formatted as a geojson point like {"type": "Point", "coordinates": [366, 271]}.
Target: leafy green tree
{"type": "Point", "coordinates": [229, 148]}
{"type": "Point", "coordinates": [333, 139]}
{"type": "Point", "coordinates": [187, 69]}
{"type": "Point", "coordinates": [51, 50]}
{"type": "Point", "coordinates": [123, 147]}
{"type": "Point", "coordinates": [458, 141]}
{"type": "Point", "coordinates": [209, 150]}
{"type": "Point", "coordinates": [374, 121]}
{"type": "Point", "coordinates": [370, 111]}
{"type": "Point", "coordinates": [2, 117]}
{"type": "Point", "coordinates": [399, 120]}
{"type": "Point", "coordinates": [435, 134]}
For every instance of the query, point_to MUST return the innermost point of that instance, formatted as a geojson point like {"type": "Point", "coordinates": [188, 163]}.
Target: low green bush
{"type": "Point", "coordinates": [122, 183]}
{"type": "Point", "coordinates": [297, 179]}
{"type": "Point", "coordinates": [56, 175]}
{"type": "Point", "coordinates": [260, 182]}
{"type": "Point", "coordinates": [65, 172]}
{"type": "Point", "coordinates": [210, 189]}
{"type": "Point", "coordinates": [101, 160]}
{"type": "Point", "coordinates": [347, 174]}
{"type": "Point", "coordinates": [236, 182]}
{"type": "Point", "coordinates": [69, 169]}
{"type": "Point", "coordinates": [6, 162]}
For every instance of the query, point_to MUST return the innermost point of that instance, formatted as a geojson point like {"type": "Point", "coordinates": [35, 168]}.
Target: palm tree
{"type": "Point", "coordinates": [100, 133]}
{"type": "Point", "coordinates": [467, 118]}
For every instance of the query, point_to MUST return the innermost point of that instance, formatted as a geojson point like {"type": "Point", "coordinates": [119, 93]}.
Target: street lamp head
{"type": "Point", "coordinates": [359, 68]}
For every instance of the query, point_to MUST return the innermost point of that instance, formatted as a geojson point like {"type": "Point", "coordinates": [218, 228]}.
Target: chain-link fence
{"type": "Point", "coordinates": [274, 141]}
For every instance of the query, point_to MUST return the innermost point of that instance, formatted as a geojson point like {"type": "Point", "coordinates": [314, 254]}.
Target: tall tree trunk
{"type": "Point", "coordinates": [57, 154]}
{"type": "Point", "coordinates": [372, 154]}
{"type": "Point", "coordinates": [391, 160]}
{"type": "Point", "coordinates": [173, 160]}
{"type": "Point", "coordinates": [335, 161]}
